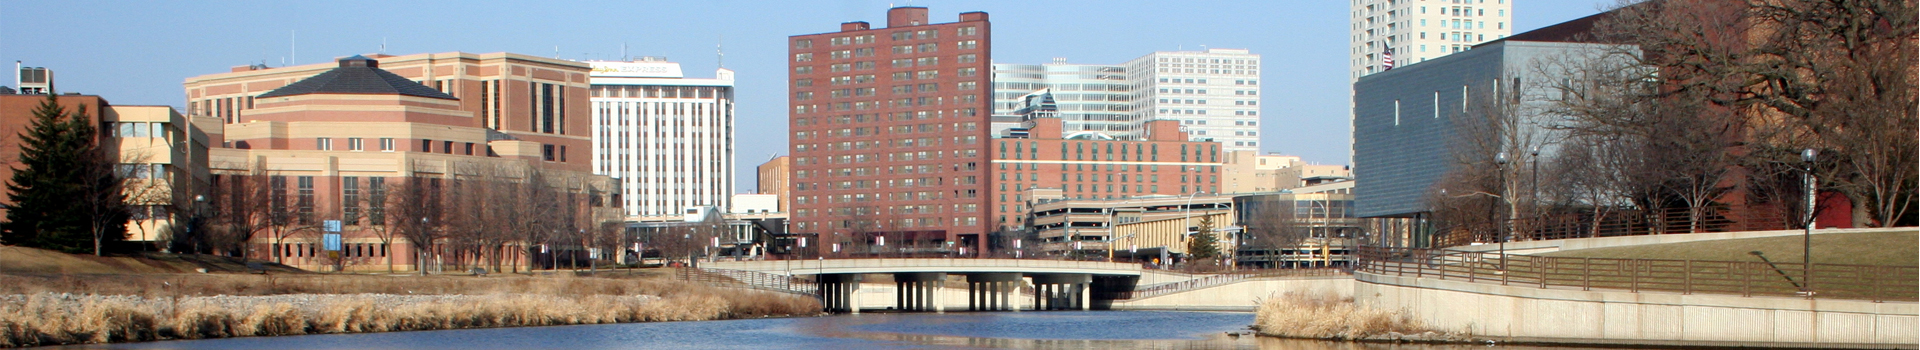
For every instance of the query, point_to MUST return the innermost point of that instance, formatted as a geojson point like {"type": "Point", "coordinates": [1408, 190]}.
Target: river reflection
{"type": "Point", "coordinates": [999, 330]}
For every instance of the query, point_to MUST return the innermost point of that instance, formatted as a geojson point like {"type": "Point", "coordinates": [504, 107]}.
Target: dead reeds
{"type": "Point", "coordinates": [78, 309]}
{"type": "Point", "coordinates": [1322, 316]}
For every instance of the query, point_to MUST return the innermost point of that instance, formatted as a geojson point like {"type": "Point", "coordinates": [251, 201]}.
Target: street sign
{"type": "Point", "coordinates": [331, 241]}
{"type": "Point", "coordinates": [332, 225]}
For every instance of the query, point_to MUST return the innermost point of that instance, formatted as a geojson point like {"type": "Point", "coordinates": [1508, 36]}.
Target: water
{"type": "Point", "coordinates": [1024, 330]}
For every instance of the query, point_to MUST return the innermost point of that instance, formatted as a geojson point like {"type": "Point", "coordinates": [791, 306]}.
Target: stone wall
{"type": "Point", "coordinates": [1531, 314]}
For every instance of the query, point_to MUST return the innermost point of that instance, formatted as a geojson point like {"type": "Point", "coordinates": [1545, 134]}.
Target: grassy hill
{"type": "Point", "coordinates": [1897, 247]}
{"type": "Point", "coordinates": [21, 260]}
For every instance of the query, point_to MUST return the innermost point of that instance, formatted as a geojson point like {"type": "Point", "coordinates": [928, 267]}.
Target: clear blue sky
{"type": "Point", "coordinates": [138, 52]}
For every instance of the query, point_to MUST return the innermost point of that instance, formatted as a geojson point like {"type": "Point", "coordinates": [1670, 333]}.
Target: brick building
{"type": "Point", "coordinates": [332, 143]}
{"type": "Point", "coordinates": [889, 133]}
{"type": "Point", "coordinates": [1087, 165]}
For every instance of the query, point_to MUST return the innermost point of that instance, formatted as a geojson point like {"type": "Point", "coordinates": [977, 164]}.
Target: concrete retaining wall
{"type": "Point", "coordinates": [1240, 296]}
{"type": "Point", "coordinates": [1573, 316]}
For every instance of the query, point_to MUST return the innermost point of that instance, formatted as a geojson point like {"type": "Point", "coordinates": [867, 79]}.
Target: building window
{"type": "Point", "coordinates": [323, 143]}
{"type": "Point", "coordinates": [426, 146]}
{"type": "Point", "coordinates": [469, 149]}
{"type": "Point", "coordinates": [546, 152]}
{"type": "Point", "coordinates": [446, 147]}
{"type": "Point", "coordinates": [355, 144]}
{"type": "Point", "coordinates": [386, 144]}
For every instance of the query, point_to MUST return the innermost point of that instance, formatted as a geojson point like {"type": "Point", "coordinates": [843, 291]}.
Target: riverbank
{"type": "Point", "coordinates": [1330, 317]}
{"type": "Point", "coordinates": [74, 309]}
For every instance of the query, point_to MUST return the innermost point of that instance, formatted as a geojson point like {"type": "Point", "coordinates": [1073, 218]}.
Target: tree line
{"type": "Point", "coordinates": [1696, 107]}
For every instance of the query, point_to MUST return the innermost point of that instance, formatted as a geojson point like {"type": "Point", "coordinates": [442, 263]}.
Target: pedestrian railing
{"type": "Point", "coordinates": [1757, 278]}
{"type": "Point", "coordinates": [1215, 280]}
{"type": "Point", "coordinates": [746, 279]}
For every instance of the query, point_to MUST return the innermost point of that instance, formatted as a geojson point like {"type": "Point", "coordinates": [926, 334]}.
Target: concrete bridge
{"type": "Point", "coordinates": [999, 284]}
{"type": "Point", "coordinates": [991, 284]}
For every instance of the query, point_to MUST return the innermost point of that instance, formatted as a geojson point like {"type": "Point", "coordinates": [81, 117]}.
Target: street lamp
{"type": "Point", "coordinates": [1807, 157]}
{"type": "Point", "coordinates": [1533, 194]}
{"type": "Point", "coordinates": [1501, 160]}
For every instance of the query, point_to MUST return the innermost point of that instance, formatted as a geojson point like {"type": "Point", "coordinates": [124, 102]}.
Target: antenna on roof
{"type": "Point", "coordinates": [556, 52]}
{"type": "Point", "coordinates": [623, 51]}
{"type": "Point", "coordinates": [720, 50]}
{"type": "Point", "coordinates": [383, 45]}
{"type": "Point", "coordinates": [294, 38]}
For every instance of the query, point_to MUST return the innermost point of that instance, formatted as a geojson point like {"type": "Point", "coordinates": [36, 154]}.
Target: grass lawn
{"type": "Point", "coordinates": [1898, 247]}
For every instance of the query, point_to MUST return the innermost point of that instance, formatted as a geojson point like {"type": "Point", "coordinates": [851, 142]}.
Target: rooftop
{"type": "Point", "coordinates": [357, 75]}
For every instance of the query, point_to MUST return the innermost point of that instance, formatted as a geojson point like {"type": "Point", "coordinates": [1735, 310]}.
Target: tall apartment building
{"type": "Point", "coordinates": [1419, 30]}
{"type": "Point", "coordinates": [889, 132]}
{"type": "Point", "coordinates": [1080, 165]}
{"type": "Point", "coordinates": [667, 138]}
{"type": "Point", "coordinates": [1214, 94]}
{"type": "Point", "coordinates": [1090, 97]}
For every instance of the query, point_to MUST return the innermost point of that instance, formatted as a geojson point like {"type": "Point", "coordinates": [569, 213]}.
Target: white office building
{"type": "Point", "coordinates": [1215, 94]}
{"type": "Point", "coordinates": [666, 138]}
{"type": "Point", "coordinates": [1419, 30]}
{"type": "Point", "coordinates": [1089, 97]}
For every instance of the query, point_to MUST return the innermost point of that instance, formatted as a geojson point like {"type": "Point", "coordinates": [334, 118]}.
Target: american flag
{"type": "Point", "coordinates": [1386, 60]}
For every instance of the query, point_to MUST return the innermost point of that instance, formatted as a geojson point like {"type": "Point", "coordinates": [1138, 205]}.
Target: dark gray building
{"type": "Point", "coordinates": [1403, 125]}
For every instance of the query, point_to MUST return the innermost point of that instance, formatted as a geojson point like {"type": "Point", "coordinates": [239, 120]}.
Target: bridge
{"type": "Point", "coordinates": [992, 284]}
{"type": "Point", "coordinates": [989, 284]}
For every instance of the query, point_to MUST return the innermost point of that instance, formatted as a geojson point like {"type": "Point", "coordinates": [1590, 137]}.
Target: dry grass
{"type": "Point", "coordinates": [68, 309]}
{"type": "Point", "coordinates": [1853, 248]}
{"type": "Point", "coordinates": [1320, 316]}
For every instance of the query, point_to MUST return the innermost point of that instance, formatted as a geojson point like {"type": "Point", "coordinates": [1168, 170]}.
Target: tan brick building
{"type": "Point", "coordinates": [345, 134]}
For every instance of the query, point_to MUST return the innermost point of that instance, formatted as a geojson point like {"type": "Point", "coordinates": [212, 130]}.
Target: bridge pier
{"type": "Point", "coordinates": [839, 292]}
{"type": "Point", "coordinates": [1062, 291]}
{"type": "Point", "coordinates": [919, 291]}
{"type": "Point", "coordinates": [990, 291]}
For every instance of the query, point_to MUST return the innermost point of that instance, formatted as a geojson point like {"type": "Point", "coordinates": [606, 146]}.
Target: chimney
{"type": "Point", "coordinates": [853, 26]}
{"type": "Point", "coordinates": [975, 16]}
{"type": "Point", "coordinates": [906, 16]}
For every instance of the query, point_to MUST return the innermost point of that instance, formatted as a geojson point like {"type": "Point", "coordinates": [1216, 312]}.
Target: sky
{"type": "Point", "coordinates": [139, 52]}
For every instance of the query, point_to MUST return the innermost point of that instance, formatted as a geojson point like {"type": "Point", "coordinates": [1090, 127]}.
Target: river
{"type": "Point", "coordinates": [959, 330]}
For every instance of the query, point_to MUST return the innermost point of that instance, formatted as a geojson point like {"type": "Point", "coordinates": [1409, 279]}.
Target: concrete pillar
{"type": "Point", "coordinates": [1086, 296]}
{"type": "Point", "coordinates": [918, 290]}
{"type": "Point", "coordinates": [1060, 292]}
{"type": "Point", "coordinates": [837, 292]}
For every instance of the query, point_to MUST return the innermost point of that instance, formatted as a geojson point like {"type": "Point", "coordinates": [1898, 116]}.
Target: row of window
{"type": "Point", "coordinates": [896, 36]}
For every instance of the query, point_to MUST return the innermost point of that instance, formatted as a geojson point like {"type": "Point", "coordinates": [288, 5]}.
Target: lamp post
{"type": "Point", "coordinates": [1501, 160]}
{"type": "Point", "coordinates": [1807, 157]}
{"type": "Point", "coordinates": [1533, 193]}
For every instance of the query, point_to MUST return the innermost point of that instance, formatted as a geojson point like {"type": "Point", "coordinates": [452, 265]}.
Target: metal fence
{"type": "Point", "coordinates": [1219, 280]}
{"type": "Point", "coordinates": [1824, 281]}
{"type": "Point", "coordinates": [746, 279]}
{"type": "Point", "coordinates": [1610, 223]}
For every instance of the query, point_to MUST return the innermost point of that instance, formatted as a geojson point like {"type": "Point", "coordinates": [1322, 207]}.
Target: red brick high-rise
{"type": "Point", "coordinates": [890, 134]}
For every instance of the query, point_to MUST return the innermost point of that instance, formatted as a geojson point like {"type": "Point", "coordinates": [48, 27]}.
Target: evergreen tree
{"type": "Point", "coordinates": [50, 185]}
{"type": "Point", "coordinates": [1203, 246]}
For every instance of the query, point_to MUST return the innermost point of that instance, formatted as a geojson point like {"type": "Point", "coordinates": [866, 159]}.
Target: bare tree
{"type": "Point", "coordinates": [1832, 75]}
{"type": "Point", "coordinates": [239, 209]}
{"type": "Point", "coordinates": [414, 210]}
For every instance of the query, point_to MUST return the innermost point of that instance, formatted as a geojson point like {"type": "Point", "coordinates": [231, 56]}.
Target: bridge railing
{"type": "Point", "coordinates": [801, 266]}
{"type": "Point", "coordinates": [746, 279]}
{"type": "Point", "coordinates": [1210, 281]}
{"type": "Point", "coordinates": [1827, 281]}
